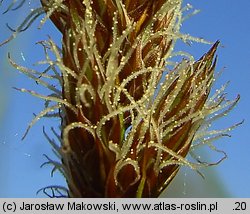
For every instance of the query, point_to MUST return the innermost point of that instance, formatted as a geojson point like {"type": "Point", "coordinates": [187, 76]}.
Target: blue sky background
{"type": "Point", "coordinates": [20, 172]}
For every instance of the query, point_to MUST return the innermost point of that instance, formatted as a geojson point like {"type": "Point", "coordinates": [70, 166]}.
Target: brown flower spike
{"type": "Point", "coordinates": [128, 119]}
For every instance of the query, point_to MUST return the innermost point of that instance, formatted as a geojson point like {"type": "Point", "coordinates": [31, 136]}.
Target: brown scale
{"type": "Point", "coordinates": [91, 165]}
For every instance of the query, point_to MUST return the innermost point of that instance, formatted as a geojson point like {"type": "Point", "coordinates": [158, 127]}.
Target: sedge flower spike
{"type": "Point", "coordinates": [128, 119]}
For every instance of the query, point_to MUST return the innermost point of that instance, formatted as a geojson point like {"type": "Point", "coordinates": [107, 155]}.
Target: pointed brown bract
{"type": "Point", "coordinates": [129, 114]}
{"type": "Point", "coordinates": [126, 137]}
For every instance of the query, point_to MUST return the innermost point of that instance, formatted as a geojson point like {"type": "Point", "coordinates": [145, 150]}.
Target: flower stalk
{"type": "Point", "coordinates": [129, 119]}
